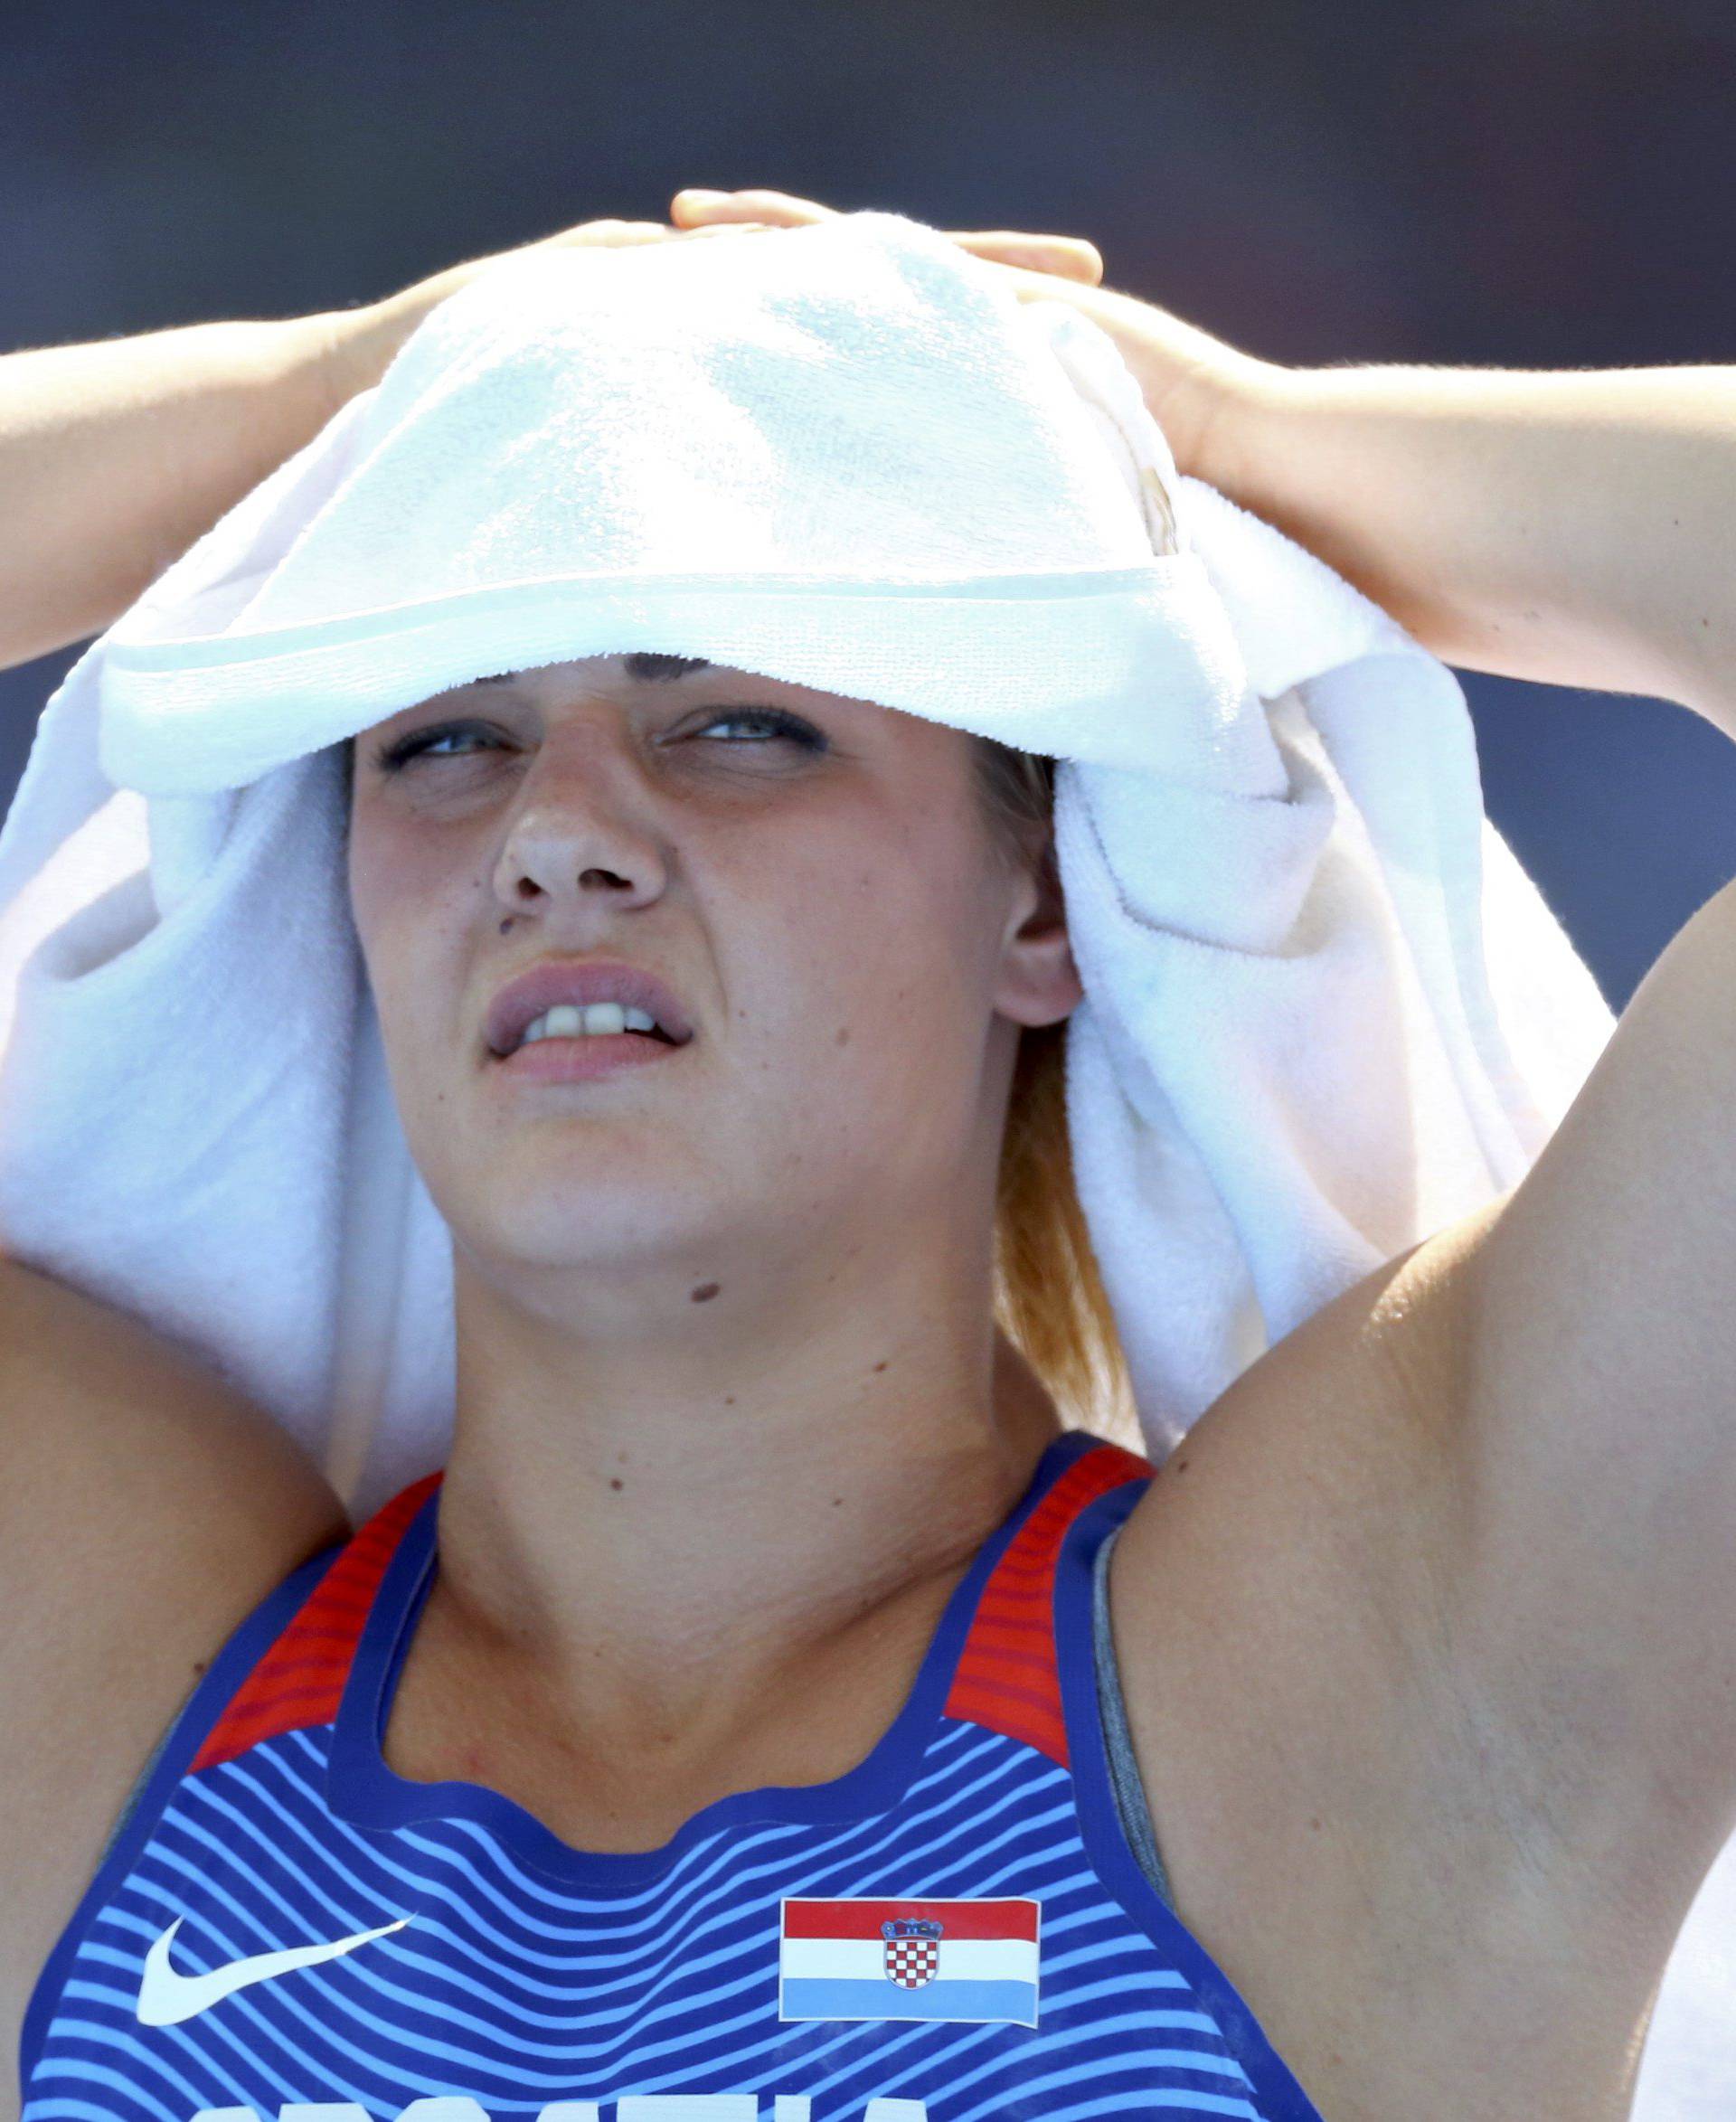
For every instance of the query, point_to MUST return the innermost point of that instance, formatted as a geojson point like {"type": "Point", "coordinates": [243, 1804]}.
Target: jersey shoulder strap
{"type": "Point", "coordinates": [1008, 1674]}
{"type": "Point", "coordinates": [300, 1679]}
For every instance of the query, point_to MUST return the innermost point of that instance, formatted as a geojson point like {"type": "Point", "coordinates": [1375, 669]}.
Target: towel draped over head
{"type": "Point", "coordinates": [1326, 1012]}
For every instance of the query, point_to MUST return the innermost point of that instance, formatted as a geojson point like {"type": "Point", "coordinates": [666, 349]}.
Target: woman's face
{"type": "Point", "coordinates": [810, 874]}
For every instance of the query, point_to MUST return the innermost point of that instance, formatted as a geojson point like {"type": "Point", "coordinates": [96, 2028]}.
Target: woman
{"type": "Point", "coordinates": [1422, 1669]}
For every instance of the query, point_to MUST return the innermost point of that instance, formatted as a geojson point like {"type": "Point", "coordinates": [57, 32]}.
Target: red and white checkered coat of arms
{"type": "Point", "coordinates": [912, 1950]}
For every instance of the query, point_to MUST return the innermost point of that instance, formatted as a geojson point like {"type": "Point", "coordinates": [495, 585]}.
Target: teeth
{"type": "Point", "coordinates": [570, 1021]}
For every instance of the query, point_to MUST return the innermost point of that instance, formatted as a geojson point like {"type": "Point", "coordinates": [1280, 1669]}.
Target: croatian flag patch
{"type": "Point", "coordinates": [973, 1961]}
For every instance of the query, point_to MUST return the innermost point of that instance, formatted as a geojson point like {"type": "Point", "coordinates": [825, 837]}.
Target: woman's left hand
{"type": "Point", "coordinates": [1197, 388]}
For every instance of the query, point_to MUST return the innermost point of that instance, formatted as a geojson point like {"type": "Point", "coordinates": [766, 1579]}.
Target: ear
{"type": "Point", "coordinates": [1038, 982]}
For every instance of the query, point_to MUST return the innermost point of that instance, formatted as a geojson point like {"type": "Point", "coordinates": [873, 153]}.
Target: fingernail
{"type": "Point", "coordinates": [699, 192]}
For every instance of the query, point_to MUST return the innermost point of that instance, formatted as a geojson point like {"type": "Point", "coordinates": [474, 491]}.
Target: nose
{"type": "Point", "coordinates": [579, 833]}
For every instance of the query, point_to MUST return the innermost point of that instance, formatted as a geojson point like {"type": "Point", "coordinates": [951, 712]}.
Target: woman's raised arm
{"type": "Point", "coordinates": [1569, 527]}
{"type": "Point", "coordinates": [115, 457]}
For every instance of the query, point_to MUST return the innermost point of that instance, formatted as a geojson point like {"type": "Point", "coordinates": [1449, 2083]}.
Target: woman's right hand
{"type": "Point", "coordinates": [360, 343]}
{"type": "Point", "coordinates": [1200, 390]}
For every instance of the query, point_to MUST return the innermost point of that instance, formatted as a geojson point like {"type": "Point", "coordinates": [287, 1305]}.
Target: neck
{"type": "Point", "coordinates": [642, 1541]}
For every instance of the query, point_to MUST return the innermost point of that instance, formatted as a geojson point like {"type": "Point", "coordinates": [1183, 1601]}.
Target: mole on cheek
{"type": "Point", "coordinates": [705, 1292]}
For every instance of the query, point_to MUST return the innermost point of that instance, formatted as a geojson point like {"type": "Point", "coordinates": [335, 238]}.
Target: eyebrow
{"type": "Point", "coordinates": [643, 664]}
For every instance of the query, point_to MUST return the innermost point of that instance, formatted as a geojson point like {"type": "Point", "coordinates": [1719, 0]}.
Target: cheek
{"type": "Point", "coordinates": [398, 864]}
{"type": "Point", "coordinates": [895, 948]}
{"type": "Point", "coordinates": [408, 908]}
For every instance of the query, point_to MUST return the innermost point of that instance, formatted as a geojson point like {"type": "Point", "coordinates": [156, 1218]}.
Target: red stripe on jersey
{"type": "Point", "coordinates": [300, 1679]}
{"type": "Point", "coordinates": [1007, 1679]}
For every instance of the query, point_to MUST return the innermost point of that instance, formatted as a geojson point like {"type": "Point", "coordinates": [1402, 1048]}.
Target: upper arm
{"type": "Point", "coordinates": [1595, 1437]}
{"type": "Point", "coordinates": [145, 1507]}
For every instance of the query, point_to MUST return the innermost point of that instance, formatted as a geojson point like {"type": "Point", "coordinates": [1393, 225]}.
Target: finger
{"type": "Point", "coordinates": [1069, 256]}
{"type": "Point", "coordinates": [1072, 256]}
{"type": "Point", "coordinates": [696, 203]}
{"type": "Point", "coordinates": [607, 234]}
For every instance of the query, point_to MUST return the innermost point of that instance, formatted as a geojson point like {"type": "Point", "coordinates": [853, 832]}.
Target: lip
{"type": "Point", "coordinates": [553, 980]}
{"type": "Point", "coordinates": [579, 1059]}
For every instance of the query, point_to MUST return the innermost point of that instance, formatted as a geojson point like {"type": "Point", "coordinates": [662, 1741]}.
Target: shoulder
{"type": "Point", "coordinates": [1353, 1821]}
{"type": "Point", "coordinates": [1314, 1501]}
{"type": "Point", "coordinates": [1282, 1602]}
{"type": "Point", "coordinates": [145, 1508]}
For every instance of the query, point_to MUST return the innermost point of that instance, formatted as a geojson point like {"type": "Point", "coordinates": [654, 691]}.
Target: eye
{"type": "Point", "coordinates": [792, 728]}
{"type": "Point", "coordinates": [389, 758]}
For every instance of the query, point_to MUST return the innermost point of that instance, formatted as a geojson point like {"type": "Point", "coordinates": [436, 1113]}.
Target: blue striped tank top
{"type": "Point", "coordinates": [957, 1929]}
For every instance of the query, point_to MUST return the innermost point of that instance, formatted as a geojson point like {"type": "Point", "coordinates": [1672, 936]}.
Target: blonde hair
{"type": "Point", "coordinates": [1049, 1296]}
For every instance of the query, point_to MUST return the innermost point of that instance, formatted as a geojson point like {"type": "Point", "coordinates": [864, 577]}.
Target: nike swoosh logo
{"type": "Point", "coordinates": [166, 1997]}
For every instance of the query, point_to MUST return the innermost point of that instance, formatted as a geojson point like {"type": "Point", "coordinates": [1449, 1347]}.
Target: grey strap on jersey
{"type": "Point", "coordinates": [1130, 1805]}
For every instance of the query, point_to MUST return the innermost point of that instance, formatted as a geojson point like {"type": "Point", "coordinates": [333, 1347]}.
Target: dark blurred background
{"type": "Point", "coordinates": [1537, 184]}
